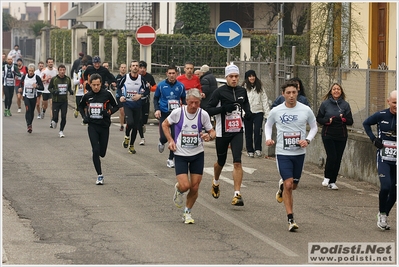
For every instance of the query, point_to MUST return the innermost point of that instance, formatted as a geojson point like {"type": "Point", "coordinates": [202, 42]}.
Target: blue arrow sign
{"type": "Point", "coordinates": [228, 34]}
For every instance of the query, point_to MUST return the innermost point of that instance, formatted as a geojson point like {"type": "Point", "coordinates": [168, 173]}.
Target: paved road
{"type": "Point", "coordinates": [53, 213]}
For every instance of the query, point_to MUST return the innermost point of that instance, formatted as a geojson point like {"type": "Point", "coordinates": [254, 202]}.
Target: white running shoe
{"type": "Point", "coordinates": [292, 226]}
{"type": "Point", "coordinates": [53, 125]}
{"type": "Point", "coordinates": [187, 219]}
{"type": "Point", "coordinates": [258, 153]}
{"type": "Point", "coordinates": [19, 110]}
{"type": "Point", "coordinates": [170, 163]}
{"type": "Point", "coordinates": [160, 147]}
{"type": "Point", "coordinates": [250, 154]}
{"type": "Point", "coordinates": [61, 134]}
{"type": "Point", "coordinates": [42, 115]}
{"type": "Point", "coordinates": [382, 221]}
{"type": "Point", "coordinates": [39, 117]}
{"type": "Point", "coordinates": [142, 142]}
{"type": "Point", "coordinates": [333, 186]}
{"type": "Point", "coordinates": [325, 182]}
{"type": "Point", "coordinates": [100, 180]}
{"type": "Point", "coordinates": [178, 197]}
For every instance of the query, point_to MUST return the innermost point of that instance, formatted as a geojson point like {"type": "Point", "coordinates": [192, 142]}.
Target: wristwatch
{"type": "Point", "coordinates": [307, 140]}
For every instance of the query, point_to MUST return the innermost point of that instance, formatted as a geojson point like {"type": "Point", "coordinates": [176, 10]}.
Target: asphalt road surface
{"type": "Point", "coordinates": [53, 213]}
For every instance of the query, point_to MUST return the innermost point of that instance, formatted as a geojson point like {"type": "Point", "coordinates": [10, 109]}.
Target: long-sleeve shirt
{"type": "Point", "coordinates": [59, 88]}
{"type": "Point", "coordinates": [27, 82]}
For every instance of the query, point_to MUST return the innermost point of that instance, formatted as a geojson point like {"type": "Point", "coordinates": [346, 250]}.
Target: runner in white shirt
{"type": "Point", "coordinates": [49, 72]}
{"type": "Point", "coordinates": [187, 145]}
{"type": "Point", "coordinates": [290, 118]}
{"type": "Point", "coordinates": [38, 72]}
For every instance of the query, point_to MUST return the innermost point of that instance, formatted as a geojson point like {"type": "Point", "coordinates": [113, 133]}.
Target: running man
{"type": "Point", "coordinates": [290, 118]}
{"type": "Point", "coordinates": [385, 141]}
{"type": "Point", "coordinates": [47, 74]}
{"type": "Point", "coordinates": [228, 103]}
{"type": "Point", "coordinates": [59, 87]}
{"type": "Point", "coordinates": [38, 72]}
{"type": "Point", "coordinates": [167, 97]}
{"type": "Point", "coordinates": [10, 72]}
{"type": "Point", "coordinates": [131, 89]}
{"type": "Point", "coordinates": [188, 148]}
{"type": "Point", "coordinates": [96, 108]}
{"type": "Point", "coordinates": [18, 90]}
{"type": "Point", "coordinates": [122, 73]}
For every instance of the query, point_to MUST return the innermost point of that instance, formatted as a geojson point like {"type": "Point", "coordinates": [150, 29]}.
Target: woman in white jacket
{"type": "Point", "coordinates": [259, 104]}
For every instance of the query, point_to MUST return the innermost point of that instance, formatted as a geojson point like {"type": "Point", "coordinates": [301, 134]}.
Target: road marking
{"type": "Point", "coordinates": [241, 225]}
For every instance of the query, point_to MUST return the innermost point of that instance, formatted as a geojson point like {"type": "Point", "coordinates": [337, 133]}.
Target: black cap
{"type": "Point", "coordinates": [249, 73]}
{"type": "Point", "coordinates": [143, 64]}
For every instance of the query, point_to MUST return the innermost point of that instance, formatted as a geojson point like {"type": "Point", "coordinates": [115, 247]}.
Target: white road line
{"type": "Point", "coordinates": [209, 170]}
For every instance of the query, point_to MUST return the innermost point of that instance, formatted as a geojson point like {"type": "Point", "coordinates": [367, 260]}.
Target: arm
{"type": "Point", "coordinates": [347, 118]}
{"type": "Point", "coordinates": [166, 129]}
{"type": "Point", "coordinates": [313, 130]}
{"type": "Point", "coordinates": [39, 83]}
{"type": "Point", "coordinates": [51, 86]}
{"type": "Point", "coordinates": [321, 118]}
{"type": "Point", "coordinates": [22, 85]}
{"type": "Point", "coordinates": [265, 101]}
{"type": "Point", "coordinates": [114, 105]}
{"type": "Point", "coordinates": [268, 133]}
{"type": "Point", "coordinates": [211, 107]}
{"type": "Point", "coordinates": [372, 120]}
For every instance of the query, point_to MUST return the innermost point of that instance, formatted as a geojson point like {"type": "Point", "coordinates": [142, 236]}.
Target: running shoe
{"type": "Point", "coordinates": [53, 125]}
{"type": "Point", "coordinates": [100, 180]}
{"type": "Point", "coordinates": [382, 221]}
{"type": "Point", "coordinates": [279, 194]}
{"type": "Point", "coordinates": [19, 110]}
{"type": "Point", "coordinates": [126, 142]}
{"type": "Point", "coordinates": [132, 150]}
{"type": "Point", "coordinates": [9, 112]}
{"type": "Point", "coordinates": [332, 186]}
{"type": "Point", "coordinates": [258, 153]}
{"type": "Point", "coordinates": [5, 113]}
{"type": "Point", "coordinates": [215, 191]}
{"type": "Point", "coordinates": [29, 128]}
{"type": "Point", "coordinates": [38, 116]}
{"type": "Point", "coordinates": [292, 226]}
{"type": "Point", "coordinates": [76, 113]}
{"type": "Point", "coordinates": [170, 163]}
{"type": "Point", "coordinates": [121, 128]}
{"type": "Point", "coordinates": [237, 201]}
{"type": "Point", "coordinates": [325, 182]}
{"type": "Point", "coordinates": [142, 142]}
{"type": "Point", "coordinates": [61, 134]}
{"type": "Point", "coordinates": [178, 197]}
{"type": "Point", "coordinates": [144, 129]}
{"type": "Point", "coordinates": [250, 154]}
{"type": "Point", "coordinates": [161, 147]}
{"type": "Point", "coordinates": [187, 219]}
{"type": "Point", "coordinates": [42, 115]}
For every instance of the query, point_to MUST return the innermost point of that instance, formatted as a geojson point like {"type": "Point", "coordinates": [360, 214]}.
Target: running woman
{"type": "Point", "coordinates": [31, 83]}
{"type": "Point", "coordinates": [96, 108]}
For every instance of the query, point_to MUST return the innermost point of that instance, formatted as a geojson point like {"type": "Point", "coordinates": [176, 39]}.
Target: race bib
{"type": "Point", "coordinates": [29, 92]}
{"type": "Point", "coordinates": [291, 140]}
{"type": "Point", "coordinates": [95, 110]}
{"type": "Point", "coordinates": [388, 152]}
{"type": "Point", "coordinates": [173, 104]}
{"type": "Point", "coordinates": [233, 122]}
{"type": "Point", "coordinates": [63, 89]}
{"type": "Point", "coordinates": [189, 139]}
{"type": "Point", "coordinates": [9, 81]}
{"type": "Point", "coordinates": [130, 94]}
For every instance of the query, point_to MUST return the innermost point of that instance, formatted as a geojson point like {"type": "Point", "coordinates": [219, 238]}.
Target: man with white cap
{"type": "Point", "coordinates": [227, 103]}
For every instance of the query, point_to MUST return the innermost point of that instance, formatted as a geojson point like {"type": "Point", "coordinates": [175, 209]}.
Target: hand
{"type": "Point", "coordinates": [378, 143]}
{"type": "Point", "coordinates": [248, 115]}
{"type": "Point", "coordinates": [229, 107]}
{"type": "Point", "coordinates": [105, 113]}
{"type": "Point", "coordinates": [85, 120]}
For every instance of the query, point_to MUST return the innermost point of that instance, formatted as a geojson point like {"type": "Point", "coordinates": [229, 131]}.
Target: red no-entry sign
{"type": "Point", "coordinates": [146, 35]}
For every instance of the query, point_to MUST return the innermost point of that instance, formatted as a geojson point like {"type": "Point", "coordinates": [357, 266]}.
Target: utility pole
{"type": "Point", "coordinates": [280, 40]}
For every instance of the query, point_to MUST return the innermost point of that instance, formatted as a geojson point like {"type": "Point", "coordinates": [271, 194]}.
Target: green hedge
{"type": "Point", "coordinates": [178, 48]}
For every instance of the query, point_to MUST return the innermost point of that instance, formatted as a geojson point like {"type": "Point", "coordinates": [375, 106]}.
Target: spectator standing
{"type": "Point", "coordinates": [301, 96]}
{"type": "Point", "coordinates": [145, 108]}
{"type": "Point", "coordinates": [228, 103]}
{"type": "Point", "coordinates": [96, 109]}
{"type": "Point", "coordinates": [385, 141]}
{"type": "Point", "coordinates": [31, 83]}
{"type": "Point", "coordinates": [334, 115]}
{"type": "Point", "coordinates": [259, 104]}
{"type": "Point", "coordinates": [77, 64]}
{"type": "Point", "coordinates": [291, 119]}
{"type": "Point", "coordinates": [59, 87]}
{"type": "Point", "coordinates": [167, 97]}
{"type": "Point", "coordinates": [208, 84]}
{"type": "Point", "coordinates": [15, 54]}
{"type": "Point", "coordinates": [10, 72]}
{"type": "Point", "coordinates": [188, 147]}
